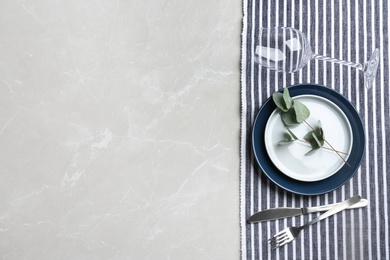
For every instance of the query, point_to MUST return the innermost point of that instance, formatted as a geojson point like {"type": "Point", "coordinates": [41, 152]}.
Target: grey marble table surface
{"type": "Point", "coordinates": [119, 129]}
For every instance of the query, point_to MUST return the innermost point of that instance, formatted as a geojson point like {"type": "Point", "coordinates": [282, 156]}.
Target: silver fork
{"type": "Point", "coordinates": [289, 234]}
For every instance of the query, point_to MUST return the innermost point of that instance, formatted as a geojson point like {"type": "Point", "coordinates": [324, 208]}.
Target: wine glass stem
{"type": "Point", "coordinates": [342, 62]}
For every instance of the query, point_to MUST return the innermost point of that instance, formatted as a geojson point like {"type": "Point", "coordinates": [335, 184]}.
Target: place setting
{"type": "Point", "coordinates": [308, 140]}
{"type": "Point", "coordinates": [307, 146]}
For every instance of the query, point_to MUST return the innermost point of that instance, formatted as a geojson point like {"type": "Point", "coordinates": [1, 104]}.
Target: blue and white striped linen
{"type": "Point", "coordinates": [349, 30]}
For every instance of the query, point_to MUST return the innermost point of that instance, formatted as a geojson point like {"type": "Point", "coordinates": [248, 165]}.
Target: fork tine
{"type": "Point", "coordinates": [278, 239]}
{"type": "Point", "coordinates": [281, 232]}
{"type": "Point", "coordinates": [284, 242]}
{"type": "Point", "coordinates": [279, 242]}
{"type": "Point", "coordinates": [281, 238]}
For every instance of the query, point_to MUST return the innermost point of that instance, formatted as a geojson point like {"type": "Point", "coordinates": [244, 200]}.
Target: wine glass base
{"type": "Point", "coordinates": [370, 69]}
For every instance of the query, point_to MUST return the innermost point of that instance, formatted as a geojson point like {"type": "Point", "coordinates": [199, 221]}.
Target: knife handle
{"type": "Point", "coordinates": [361, 204]}
{"type": "Point", "coordinates": [340, 207]}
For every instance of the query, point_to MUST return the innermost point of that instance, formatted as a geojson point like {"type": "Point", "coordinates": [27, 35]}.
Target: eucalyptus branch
{"type": "Point", "coordinates": [327, 148]}
{"type": "Point", "coordinates": [293, 112]}
{"type": "Point", "coordinates": [337, 152]}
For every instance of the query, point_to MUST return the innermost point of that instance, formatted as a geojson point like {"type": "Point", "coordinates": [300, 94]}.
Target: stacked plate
{"type": "Point", "coordinates": [291, 166]}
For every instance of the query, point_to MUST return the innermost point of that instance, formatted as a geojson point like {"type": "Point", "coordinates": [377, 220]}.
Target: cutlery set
{"type": "Point", "coordinates": [289, 234]}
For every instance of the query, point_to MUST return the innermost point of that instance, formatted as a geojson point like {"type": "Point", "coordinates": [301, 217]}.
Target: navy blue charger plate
{"type": "Point", "coordinates": [318, 187]}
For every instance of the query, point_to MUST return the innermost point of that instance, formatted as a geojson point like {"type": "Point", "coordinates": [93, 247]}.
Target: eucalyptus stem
{"type": "Point", "coordinates": [330, 146]}
{"type": "Point", "coordinates": [306, 142]}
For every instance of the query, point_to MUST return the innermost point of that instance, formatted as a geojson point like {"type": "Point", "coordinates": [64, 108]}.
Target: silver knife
{"type": "Point", "coordinates": [276, 213]}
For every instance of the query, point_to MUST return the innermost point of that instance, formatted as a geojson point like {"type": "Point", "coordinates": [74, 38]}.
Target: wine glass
{"type": "Point", "coordinates": [286, 49]}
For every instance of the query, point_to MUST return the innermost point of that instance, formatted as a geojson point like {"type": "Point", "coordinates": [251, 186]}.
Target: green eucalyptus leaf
{"type": "Point", "coordinates": [279, 101]}
{"type": "Point", "coordinates": [310, 152]}
{"type": "Point", "coordinates": [292, 134]}
{"type": "Point", "coordinates": [319, 134]}
{"type": "Point", "coordinates": [288, 139]}
{"type": "Point", "coordinates": [301, 111]}
{"type": "Point", "coordinates": [315, 138]}
{"type": "Point", "coordinates": [319, 140]}
{"type": "Point", "coordinates": [289, 117]}
{"type": "Point", "coordinates": [285, 142]}
{"type": "Point", "coordinates": [287, 99]}
{"type": "Point", "coordinates": [312, 141]}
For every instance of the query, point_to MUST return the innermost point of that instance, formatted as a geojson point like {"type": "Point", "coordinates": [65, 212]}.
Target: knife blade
{"type": "Point", "coordinates": [277, 213]}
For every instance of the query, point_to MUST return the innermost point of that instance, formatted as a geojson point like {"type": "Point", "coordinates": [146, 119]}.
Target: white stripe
{"type": "Point", "coordinates": [357, 51]}
{"type": "Point", "coordinates": [326, 226]}
{"type": "Point", "coordinates": [357, 74]}
{"type": "Point", "coordinates": [277, 44]}
{"type": "Point", "coordinates": [292, 25]}
{"type": "Point", "coordinates": [375, 133]}
{"type": "Point", "coordinates": [317, 203]}
{"type": "Point", "coordinates": [317, 18]}
{"type": "Point", "coordinates": [268, 224]}
{"type": "Point", "coordinates": [309, 37]}
{"type": "Point", "coordinates": [269, 25]}
{"type": "Point", "coordinates": [342, 218]}
{"type": "Point", "coordinates": [264, 203]}
{"type": "Point", "coordinates": [331, 86]}
{"type": "Point", "coordinates": [285, 13]}
{"type": "Point", "coordinates": [353, 245]}
{"type": "Point", "coordinates": [314, 44]}
{"type": "Point", "coordinates": [303, 242]}
{"type": "Point", "coordinates": [318, 234]}
{"type": "Point", "coordinates": [253, 179]}
{"type": "Point", "coordinates": [242, 186]}
{"type": "Point", "coordinates": [340, 43]}
{"type": "Point", "coordinates": [284, 61]}
{"type": "Point", "coordinates": [349, 50]}
{"type": "Point", "coordinates": [367, 173]}
{"type": "Point", "coordinates": [324, 36]}
{"type": "Point", "coordinates": [382, 87]}
{"type": "Point", "coordinates": [285, 24]}
{"type": "Point", "coordinates": [332, 45]}
{"type": "Point", "coordinates": [277, 13]}
{"type": "Point", "coordinates": [285, 224]}
{"type": "Point", "coordinates": [300, 28]}
{"type": "Point", "coordinates": [261, 206]}
{"type": "Point", "coordinates": [334, 226]}
{"type": "Point", "coordinates": [339, 218]}
{"type": "Point", "coordinates": [273, 90]}
{"type": "Point", "coordinates": [293, 221]}
{"type": "Point", "coordinates": [268, 93]}
{"type": "Point", "coordinates": [388, 50]}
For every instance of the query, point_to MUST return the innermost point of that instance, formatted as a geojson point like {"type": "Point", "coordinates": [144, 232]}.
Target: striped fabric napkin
{"type": "Point", "coordinates": [344, 29]}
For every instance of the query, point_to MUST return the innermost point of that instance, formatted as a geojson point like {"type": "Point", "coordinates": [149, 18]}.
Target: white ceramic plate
{"type": "Point", "coordinates": [292, 160]}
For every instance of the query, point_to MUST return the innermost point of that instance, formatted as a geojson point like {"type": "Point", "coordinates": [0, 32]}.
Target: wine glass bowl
{"type": "Point", "coordinates": [286, 49]}
{"type": "Point", "coordinates": [283, 49]}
